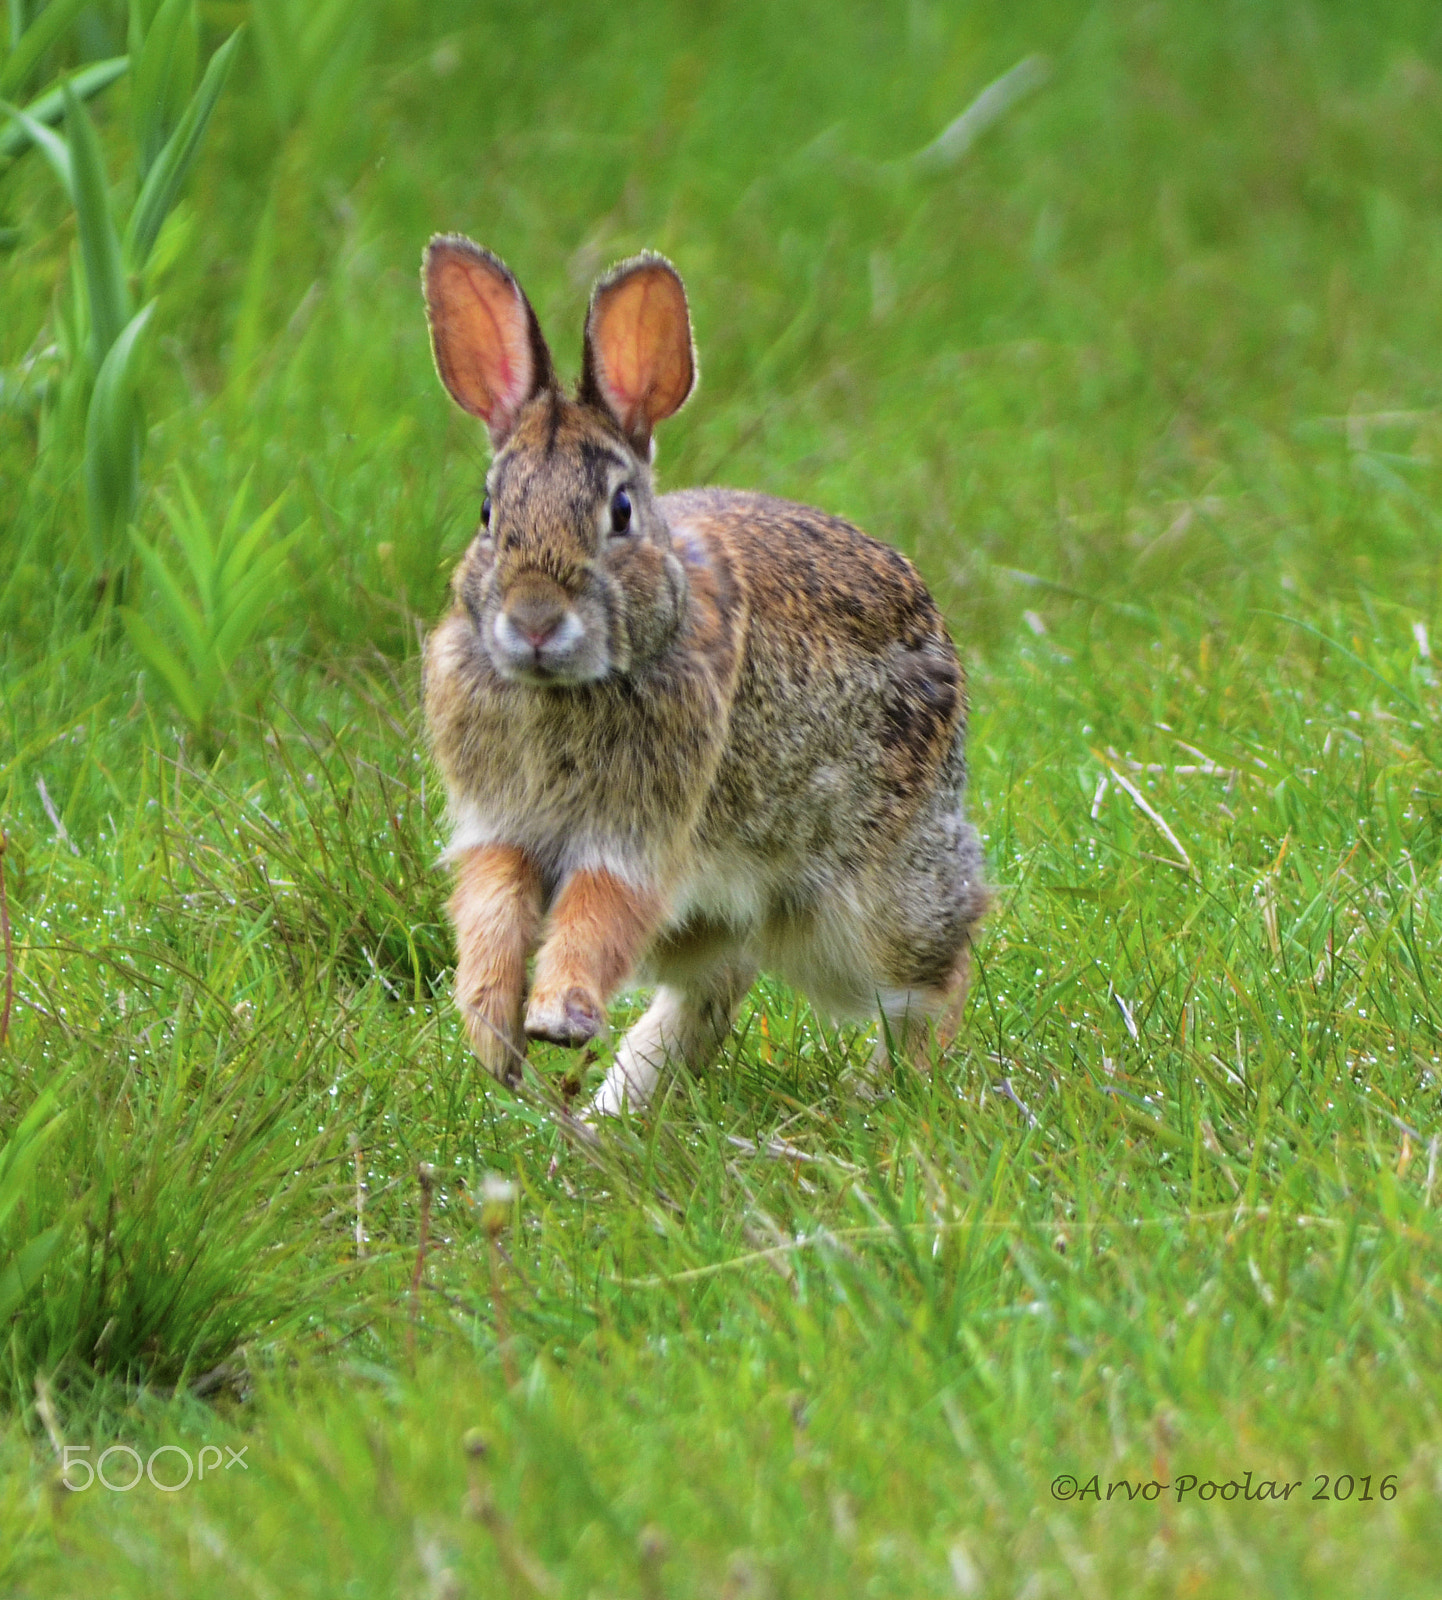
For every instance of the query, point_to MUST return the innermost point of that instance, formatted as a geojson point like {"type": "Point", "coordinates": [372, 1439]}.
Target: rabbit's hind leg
{"type": "Point", "coordinates": [923, 911]}
{"type": "Point", "coordinates": [496, 910]}
{"type": "Point", "coordinates": [911, 1018]}
{"type": "Point", "coordinates": [705, 977]}
{"type": "Point", "coordinates": [953, 999]}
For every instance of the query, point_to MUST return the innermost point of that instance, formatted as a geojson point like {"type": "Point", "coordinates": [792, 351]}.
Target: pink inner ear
{"type": "Point", "coordinates": [641, 337]}
{"type": "Point", "coordinates": [626, 368]}
{"type": "Point", "coordinates": [481, 334]}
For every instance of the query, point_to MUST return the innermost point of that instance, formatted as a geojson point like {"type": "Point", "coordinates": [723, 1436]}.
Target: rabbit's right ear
{"type": "Point", "coordinates": [639, 362]}
{"type": "Point", "coordinates": [487, 342]}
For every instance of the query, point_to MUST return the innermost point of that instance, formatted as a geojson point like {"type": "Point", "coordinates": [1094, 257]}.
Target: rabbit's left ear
{"type": "Point", "coordinates": [639, 363]}
{"type": "Point", "coordinates": [487, 342]}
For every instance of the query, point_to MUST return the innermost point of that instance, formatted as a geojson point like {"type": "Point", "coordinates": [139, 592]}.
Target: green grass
{"type": "Point", "coordinates": [1148, 386]}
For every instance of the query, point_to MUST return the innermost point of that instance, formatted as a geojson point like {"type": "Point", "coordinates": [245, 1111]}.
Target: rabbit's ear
{"type": "Point", "coordinates": [639, 363]}
{"type": "Point", "coordinates": [488, 345]}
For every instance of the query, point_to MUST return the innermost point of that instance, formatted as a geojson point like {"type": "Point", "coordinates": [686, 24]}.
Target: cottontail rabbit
{"type": "Point", "coordinates": [690, 735]}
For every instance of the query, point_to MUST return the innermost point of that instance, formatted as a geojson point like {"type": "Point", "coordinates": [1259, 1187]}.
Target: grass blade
{"type": "Point", "coordinates": [35, 41]}
{"type": "Point", "coordinates": [50, 106]}
{"type": "Point", "coordinates": [112, 442]}
{"type": "Point", "coordinates": [192, 534]}
{"type": "Point", "coordinates": [278, 58]}
{"type": "Point", "coordinates": [171, 166]}
{"type": "Point", "coordinates": [164, 77]}
{"type": "Point", "coordinates": [990, 106]}
{"type": "Point", "coordinates": [235, 511]}
{"type": "Point", "coordinates": [238, 551]}
{"type": "Point", "coordinates": [247, 602]}
{"type": "Point", "coordinates": [21, 1151]}
{"type": "Point", "coordinates": [23, 1148]}
{"type": "Point", "coordinates": [30, 130]}
{"type": "Point", "coordinates": [161, 659]}
{"type": "Point", "coordinates": [191, 621]}
{"type": "Point", "coordinates": [22, 1272]}
{"type": "Point", "coordinates": [99, 246]}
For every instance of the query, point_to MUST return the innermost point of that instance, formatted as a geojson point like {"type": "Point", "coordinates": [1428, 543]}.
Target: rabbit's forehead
{"type": "Point", "coordinates": [582, 474]}
{"type": "Point", "coordinates": [560, 444]}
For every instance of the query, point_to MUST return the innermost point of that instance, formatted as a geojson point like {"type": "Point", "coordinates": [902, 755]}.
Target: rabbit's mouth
{"type": "Point", "coordinates": [550, 651]}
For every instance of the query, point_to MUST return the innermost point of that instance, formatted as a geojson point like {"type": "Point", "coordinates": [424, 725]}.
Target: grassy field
{"type": "Point", "coordinates": [1147, 384]}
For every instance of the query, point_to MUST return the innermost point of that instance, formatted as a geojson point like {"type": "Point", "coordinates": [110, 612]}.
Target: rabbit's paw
{"type": "Point", "coordinates": [874, 1080]}
{"type": "Point", "coordinates": [570, 1017]}
{"type": "Point", "coordinates": [611, 1099]}
{"type": "Point", "coordinates": [500, 1049]}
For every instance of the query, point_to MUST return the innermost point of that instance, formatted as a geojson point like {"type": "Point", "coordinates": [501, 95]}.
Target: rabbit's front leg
{"type": "Point", "coordinates": [496, 909]}
{"type": "Point", "coordinates": [599, 926]}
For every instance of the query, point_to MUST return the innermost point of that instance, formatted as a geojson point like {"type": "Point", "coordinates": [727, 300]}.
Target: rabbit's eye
{"type": "Point", "coordinates": [486, 512]}
{"type": "Point", "coordinates": [620, 511]}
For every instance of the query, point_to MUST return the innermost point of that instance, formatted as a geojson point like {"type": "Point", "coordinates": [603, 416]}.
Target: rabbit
{"type": "Point", "coordinates": [684, 737]}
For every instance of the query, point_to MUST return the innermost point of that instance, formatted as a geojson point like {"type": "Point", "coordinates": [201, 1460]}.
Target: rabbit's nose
{"type": "Point", "coordinates": [536, 618]}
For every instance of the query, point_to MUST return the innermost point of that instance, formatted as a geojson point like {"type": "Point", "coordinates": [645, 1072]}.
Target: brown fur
{"type": "Point", "coordinates": [496, 909]}
{"type": "Point", "coordinates": [730, 735]}
{"type": "Point", "coordinates": [599, 926]}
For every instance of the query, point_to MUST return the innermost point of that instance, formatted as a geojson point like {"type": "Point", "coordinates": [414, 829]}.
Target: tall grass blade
{"type": "Point", "coordinates": [298, 44]}
{"type": "Point", "coordinates": [50, 106]}
{"type": "Point", "coordinates": [112, 443]}
{"type": "Point", "coordinates": [40, 1124]}
{"type": "Point", "coordinates": [233, 576]}
{"type": "Point", "coordinates": [22, 1272]}
{"type": "Point", "coordinates": [275, 47]}
{"type": "Point", "coordinates": [160, 658]}
{"type": "Point", "coordinates": [191, 528]}
{"type": "Point", "coordinates": [237, 550]}
{"type": "Point", "coordinates": [138, 23]}
{"type": "Point", "coordinates": [27, 128]}
{"type": "Point", "coordinates": [990, 106]}
{"type": "Point", "coordinates": [249, 599]}
{"type": "Point", "coordinates": [191, 620]}
{"type": "Point", "coordinates": [170, 168]}
{"type": "Point", "coordinates": [18, 1158]}
{"type": "Point", "coordinates": [164, 78]}
{"type": "Point", "coordinates": [35, 41]}
{"type": "Point", "coordinates": [99, 247]}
